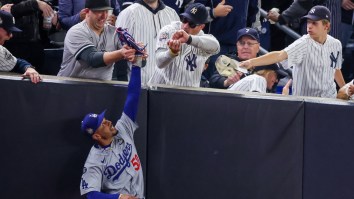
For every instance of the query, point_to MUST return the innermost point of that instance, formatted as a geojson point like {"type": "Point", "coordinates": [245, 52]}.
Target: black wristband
{"type": "Point", "coordinates": [189, 41]}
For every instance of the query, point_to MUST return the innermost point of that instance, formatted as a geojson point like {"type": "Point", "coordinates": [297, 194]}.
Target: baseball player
{"type": "Point", "coordinates": [143, 20]}
{"type": "Point", "coordinates": [90, 47]}
{"type": "Point", "coordinates": [7, 61]}
{"type": "Point", "coordinates": [316, 58]}
{"type": "Point", "coordinates": [183, 48]}
{"type": "Point", "coordinates": [112, 168]}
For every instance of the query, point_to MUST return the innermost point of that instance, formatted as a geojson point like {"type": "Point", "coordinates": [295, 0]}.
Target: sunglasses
{"type": "Point", "coordinates": [190, 24]}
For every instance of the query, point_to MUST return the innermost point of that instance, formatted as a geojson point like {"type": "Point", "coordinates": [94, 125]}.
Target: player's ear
{"type": "Point", "coordinates": [96, 136]}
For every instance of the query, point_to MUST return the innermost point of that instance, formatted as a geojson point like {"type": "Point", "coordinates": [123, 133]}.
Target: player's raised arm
{"type": "Point", "coordinates": [267, 59]}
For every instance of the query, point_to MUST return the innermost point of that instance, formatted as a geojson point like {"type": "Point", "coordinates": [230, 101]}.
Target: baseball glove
{"type": "Point", "coordinates": [126, 39]}
{"type": "Point", "coordinates": [227, 67]}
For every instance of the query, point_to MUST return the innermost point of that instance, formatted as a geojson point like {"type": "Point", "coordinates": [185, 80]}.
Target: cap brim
{"type": "Point", "coordinates": [101, 9]}
{"type": "Point", "coordinates": [312, 17]}
{"type": "Point", "coordinates": [247, 34]}
{"type": "Point", "coordinates": [14, 29]}
{"type": "Point", "coordinates": [186, 15]}
{"type": "Point", "coordinates": [100, 119]}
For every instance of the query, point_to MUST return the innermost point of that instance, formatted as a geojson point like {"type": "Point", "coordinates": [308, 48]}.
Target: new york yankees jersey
{"type": "Point", "coordinates": [7, 60]}
{"type": "Point", "coordinates": [251, 83]}
{"type": "Point", "coordinates": [186, 68]}
{"type": "Point", "coordinates": [81, 37]}
{"type": "Point", "coordinates": [144, 24]}
{"type": "Point", "coordinates": [117, 168]}
{"type": "Point", "coordinates": [314, 65]}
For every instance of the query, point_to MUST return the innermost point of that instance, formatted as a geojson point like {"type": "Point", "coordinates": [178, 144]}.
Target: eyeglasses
{"type": "Point", "coordinates": [191, 24]}
{"type": "Point", "coordinates": [243, 43]}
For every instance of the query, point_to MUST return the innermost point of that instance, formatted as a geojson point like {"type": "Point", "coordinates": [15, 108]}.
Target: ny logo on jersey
{"type": "Point", "coordinates": [334, 59]}
{"type": "Point", "coordinates": [191, 62]}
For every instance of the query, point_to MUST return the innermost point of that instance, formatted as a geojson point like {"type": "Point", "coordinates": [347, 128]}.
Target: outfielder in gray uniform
{"type": "Point", "coordinates": [316, 58]}
{"type": "Point", "coordinates": [90, 47]}
{"type": "Point", "coordinates": [183, 48]}
{"type": "Point", "coordinates": [112, 168]}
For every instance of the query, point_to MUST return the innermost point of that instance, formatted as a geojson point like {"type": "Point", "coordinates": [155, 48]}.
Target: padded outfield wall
{"type": "Point", "coordinates": [200, 143]}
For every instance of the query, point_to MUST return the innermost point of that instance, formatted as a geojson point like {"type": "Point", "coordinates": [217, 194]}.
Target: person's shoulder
{"type": "Point", "coordinates": [333, 40]}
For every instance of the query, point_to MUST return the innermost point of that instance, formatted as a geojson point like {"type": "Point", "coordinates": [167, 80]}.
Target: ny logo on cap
{"type": "Point", "coordinates": [194, 10]}
{"type": "Point", "coordinates": [247, 30]}
{"type": "Point", "coordinates": [313, 11]}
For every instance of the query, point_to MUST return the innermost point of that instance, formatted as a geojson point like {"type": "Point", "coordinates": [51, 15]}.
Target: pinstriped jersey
{"type": "Point", "coordinates": [251, 83]}
{"type": "Point", "coordinates": [186, 68]}
{"type": "Point", "coordinates": [144, 25]}
{"type": "Point", "coordinates": [116, 168]}
{"type": "Point", "coordinates": [314, 66]}
{"type": "Point", "coordinates": [7, 60]}
{"type": "Point", "coordinates": [81, 37]}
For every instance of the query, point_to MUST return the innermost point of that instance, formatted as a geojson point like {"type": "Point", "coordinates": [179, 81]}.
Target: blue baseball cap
{"type": "Point", "coordinates": [7, 22]}
{"type": "Point", "coordinates": [249, 32]}
{"type": "Point", "coordinates": [91, 122]}
{"type": "Point", "coordinates": [318, 13]}
{"type": "Point", "coordinates": [196, 13]}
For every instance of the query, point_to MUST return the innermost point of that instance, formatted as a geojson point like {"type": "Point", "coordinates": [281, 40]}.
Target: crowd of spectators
{"type": "Point", "coordinates": [144, 20]}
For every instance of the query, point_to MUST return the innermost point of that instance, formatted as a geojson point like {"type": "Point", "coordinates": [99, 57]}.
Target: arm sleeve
{"type": "Point", "coordinates": [207, 43]}
{"type": "Point", "coordinates": [24, 8]}
{"type": "Point", "coordinates": [296, 10]}
{"type": "Point", "coordinates": [134, 88]}
{"type": "Point", "coordinates": [66, 18]}
{"type": "Point", "coordinates": [92, 57]}
{"type": "Point", "coordinates": [99, 195]}
{"type": "Point", "coordinates": [21, 66]}
{"type": "Point", "coordinates": [217, 80]}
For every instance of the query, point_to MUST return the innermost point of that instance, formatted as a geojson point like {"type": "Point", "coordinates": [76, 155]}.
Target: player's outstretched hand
{"type": "Point", "coordinates": [286, 88]}
{"type": "Point", "coordinates": [128, 53]}
{"type": "Point", "coordinates": [125, 196]}
{"type": "Point", "coordinates": [33, 75]}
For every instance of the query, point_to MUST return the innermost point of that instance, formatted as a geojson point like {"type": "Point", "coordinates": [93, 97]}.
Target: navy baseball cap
{"type": "Point", "coordinates": [281, 73]}
{"type": "Point", "coordinates": [91, 122]}
{"type": "Point", "coordinates": [318, 13]}
{"type": "Point", "coordinates": [196, 13]}
{"type": "Point", "coordinates": [249, 32]}
{"type": "Point", "coordinates": [7, 22]}
{"type": "Point", "coordinates": [98, 5]}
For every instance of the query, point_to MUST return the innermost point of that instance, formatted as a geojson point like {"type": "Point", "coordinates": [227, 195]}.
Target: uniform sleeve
{"type": "Point", "coordinates": [92, 174]}
{"type": "Point", "coordinates": [296, 51]}
{"type": "Point", "coordinates": [207, 43]}
{"type": "Point", "coordinates": [66, 18]}
{"type": "Point", "coordinates": [7, 60]}
{"type": "Point", "coordinates": [77, 40]}
{"type": "Point", "coordinates": [126, 125]}
{"type": "Point", "coordinates": [163, 56]}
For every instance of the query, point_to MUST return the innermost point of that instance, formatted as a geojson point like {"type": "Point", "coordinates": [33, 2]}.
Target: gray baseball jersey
{"type": "Point", "coordinates": [314, 66]}
{"type": "Point", "coordinates": [7, 60]}
{"type": "Point", "coordinates": [144, 25]}
{"type": "Point", "coordinates": [186, 68]}
{"type": "Point", "coordinates": [117, 168]}
{"type": "Point", "coordinates": [251, 83]}
{"type": "Point", "coordinates": [81, 37]}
